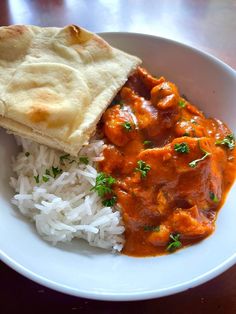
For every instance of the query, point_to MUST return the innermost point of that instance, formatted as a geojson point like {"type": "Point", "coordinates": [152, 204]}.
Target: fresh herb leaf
{"type": "Point", "coordinates": [213, 197]}
{"type": "Point", "coordinates": [182, 148]}
{"type": "Point", "coordinates": [56, 171]}
{"type": "Point", "coordinates": [45, 178]}
{"type": "Point", "coordinates": [64, 157]}
{"type": "Point", "coordinates": [181, 103]}
{"type": "Point", "coordinates": [186, 134]}
{"type": "Point", "coordinates": [194, 163]}
{"type": "Point", "coordinates": [27, 154]}
{"type": "Point", "coordinates": [84, 160]}
{"type": "Point", "coordinates": [103, 184]}
{"type": "Point", "coordinates": [143, 168]}
{"type": "Point", "coordinates": [71, 162]}
{"type": "Point", "coordinates": [47, 171]}
{"type": "Point", "coordinates": [151, 228]}
{"type": "Point", "coordinates": [228, 141]}
{"type": "Point", "coordinates": [127, 126]}
{"type": "Point", "coordinates": [147, 143]}
{"type": "Point", "coordinates": [174, 243]}
{"type": "Point", "coordinates": [36, 178]}
{"type": "Point", "coordinates": [110, 201]}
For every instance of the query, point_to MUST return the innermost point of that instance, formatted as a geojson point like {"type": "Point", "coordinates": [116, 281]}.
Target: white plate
{"type": "Point", "coordinates": [92, 273]}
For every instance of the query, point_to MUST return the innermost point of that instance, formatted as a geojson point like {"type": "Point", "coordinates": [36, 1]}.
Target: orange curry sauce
{"type": "Point", "coordinates": [171, 174]}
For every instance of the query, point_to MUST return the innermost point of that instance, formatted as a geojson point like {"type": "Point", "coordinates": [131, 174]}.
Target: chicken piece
{"type": "Point", "coordinates": [161, 237]}
{"type": "Point", "coordinates": [187, 170]}
{"type": "Point", "coordinates": [163, 203]}
{"type": "Point", "coordinates": [145, 113]}
{"type": "Point", "coordinates": [165, 96]}
{"type": "Point", "coordinates": [113, 159]}
{"type": "Point", "coordinates": [191, 223]}
{"type": "Point", "coordinates": [149, 80]}
{"type": "Point", "coordinates": [119, 125]}
{"type": "Point", "coordinates": [141, 82]}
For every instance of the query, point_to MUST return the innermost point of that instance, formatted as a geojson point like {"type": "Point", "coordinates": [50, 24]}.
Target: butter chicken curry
{"type": "Point", "coordinates": [165, 164]}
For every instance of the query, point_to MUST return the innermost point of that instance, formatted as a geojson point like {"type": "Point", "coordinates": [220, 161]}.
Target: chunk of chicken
{"type": "Point", "coordinates": [191, 223]}
{"type": "Point", "coordinates": [165, 96]}
{"type": "Point", "coordinates": [161, 237]}
{"type": "Point", "coordinates": [119, 125]}
{"type": "Point", "coordinates": [196, 174]}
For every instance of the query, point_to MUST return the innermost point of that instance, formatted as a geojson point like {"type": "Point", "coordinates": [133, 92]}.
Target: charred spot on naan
{"type": "Point", "coordinates": [37, 114]}
{"type": "Point", "coordinates": [77, 36]}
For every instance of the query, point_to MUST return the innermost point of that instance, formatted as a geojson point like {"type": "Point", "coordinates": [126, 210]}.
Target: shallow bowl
{"type": "Point", "coordinates": [83, 271]}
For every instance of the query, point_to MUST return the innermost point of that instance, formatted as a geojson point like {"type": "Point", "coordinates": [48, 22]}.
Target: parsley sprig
{"type": "Point", "coordinates": [64, 157]}
{"type": "Point", "coordinates": [151, 228]}
{"type": "Point", "coordinates": [36, 178]}
{"type": "Point", "coordinates": [84, 160]}
{"type": "Point", "coordinates": [143, 168]}
{"type": "Point", "coordinates": [174, 242]}
{"type": "Point", "coordinates": [56, 171]}
{"type": "Point", "coordinates": [109, 202]}
{"type": "Point", "coordinates": [127, 126]}
{"type": "Point", "coordinates": [213, 197]}
{"type": "Point", "coordinates": [103, 187]}
{"type": "Point", "coordinates": [194, 163]}
{"type": "Point", "coordinates": [228, 141]}
{"type": "Point", "coordinates": [148, 143]}
{"type": "Point", "coordinates": [67, 157]}
{"type": "Point", "coordinates": [182, 148]}
{"type": "Point", "coordinates": [103, 184]}
{"type": "Point", "coordinates": [181, 103]}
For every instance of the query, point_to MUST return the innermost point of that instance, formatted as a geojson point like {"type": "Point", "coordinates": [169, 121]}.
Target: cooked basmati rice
{"type": "Point", "coordinates": [64, 207]}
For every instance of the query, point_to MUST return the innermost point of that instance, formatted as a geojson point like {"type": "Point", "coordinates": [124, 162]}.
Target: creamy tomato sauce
{"type": "Point", "coordinates": [172, 165]}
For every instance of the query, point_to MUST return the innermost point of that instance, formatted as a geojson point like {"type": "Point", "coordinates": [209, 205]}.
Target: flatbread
{"type": "Point", "coordinates": [55, 83]}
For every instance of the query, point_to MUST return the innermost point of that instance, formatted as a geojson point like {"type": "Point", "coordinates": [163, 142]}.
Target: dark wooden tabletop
{"type": "Point", "coordinates": [209, 25]}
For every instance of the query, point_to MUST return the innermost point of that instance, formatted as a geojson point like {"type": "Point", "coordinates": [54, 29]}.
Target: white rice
{"type": "Point", "coordinates": [64, 207]}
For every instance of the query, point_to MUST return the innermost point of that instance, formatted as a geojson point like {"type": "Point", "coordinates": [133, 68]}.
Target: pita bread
{"type": "Point", "coordinates": [56, 83]}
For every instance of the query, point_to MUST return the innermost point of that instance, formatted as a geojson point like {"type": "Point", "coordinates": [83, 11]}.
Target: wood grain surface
{"type": "Point", "coordinates": [209, 25]}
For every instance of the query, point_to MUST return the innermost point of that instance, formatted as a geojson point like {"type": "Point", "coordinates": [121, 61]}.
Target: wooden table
{"type": "Point", "coordinates": [209, 25]}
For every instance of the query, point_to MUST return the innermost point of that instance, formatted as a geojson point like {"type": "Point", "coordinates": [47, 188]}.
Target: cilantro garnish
{"type": "Point", "coordinates": [147, 143]}
{"type": "Point", "coordinates": [174, 242]}
{"type": "Point", "coordinates": [213, 197]}
{"type": "Point", "coordinates": [45, 178]}
{"type": "Point", "coordinates": [64, 157]}
{"type": "Point", "coordinates": [103, 184]}
{"type": "Point", "coordinates": [110, 201]}
{"type": "Point", "coordinates": [228, 141]}
{"type": "Point", "coordinates": [84, 160]}
{"type": "Point", "coordinates": [36, 178]}
{"type": "Point", "coordinates": [143, 168]}
{"type": "Point", "coordinates": [182, 148]}
{"type": "Point", "coordinates": [151, 228]}
{"type": "Point", "coordinates": [47, 171]}
{"type": "Point", "coordinates": [181, 103]}
{"type": "Point", "coordinates": [127, 126]}
{"type": "Point", "coordinates": [56, 171]}
{"type": "Point", "coordinates": [194, 163]}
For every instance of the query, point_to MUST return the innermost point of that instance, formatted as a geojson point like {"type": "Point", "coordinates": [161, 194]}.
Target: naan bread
{"type": "Point", "coordinates": [56, 83]}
